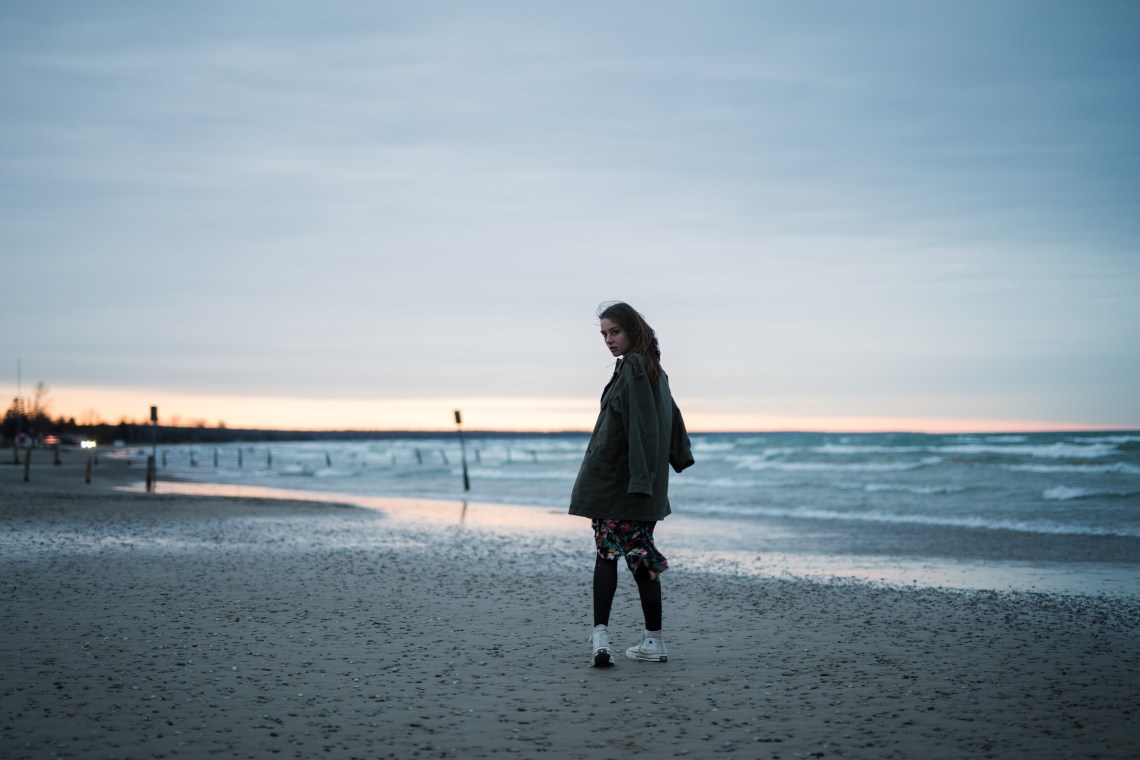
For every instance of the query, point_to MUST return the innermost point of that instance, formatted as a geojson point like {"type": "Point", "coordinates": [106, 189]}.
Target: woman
{"type": "Point", "coordinates": [623, 483]}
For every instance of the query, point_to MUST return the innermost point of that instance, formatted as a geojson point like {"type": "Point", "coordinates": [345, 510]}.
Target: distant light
{"type": "Point", "coordinates": [51, 440]}
{"type": "Point", "coordinates": [87, 444]}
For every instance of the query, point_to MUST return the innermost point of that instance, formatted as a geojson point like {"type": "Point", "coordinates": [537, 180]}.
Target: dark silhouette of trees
{"type": "Point", "coordinates": [28, 416]}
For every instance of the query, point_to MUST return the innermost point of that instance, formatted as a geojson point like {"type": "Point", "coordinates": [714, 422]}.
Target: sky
{"type": "Point", "coordinates": [836, 215]}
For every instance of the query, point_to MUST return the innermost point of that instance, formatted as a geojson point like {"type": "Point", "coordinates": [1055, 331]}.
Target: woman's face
{"type": "Point", "coordinates": [617, 339]}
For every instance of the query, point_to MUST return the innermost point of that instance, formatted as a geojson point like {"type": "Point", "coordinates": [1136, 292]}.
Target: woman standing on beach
{"type": "Point", "coordinates": [623, 483]}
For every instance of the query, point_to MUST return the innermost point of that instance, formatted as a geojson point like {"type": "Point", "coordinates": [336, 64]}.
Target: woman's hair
{"type": "Point", "coordinates": [642, 339]}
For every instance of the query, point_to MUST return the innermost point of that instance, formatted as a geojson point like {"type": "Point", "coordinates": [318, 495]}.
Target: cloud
{"type": "Point", "coordinates": [896, 205]}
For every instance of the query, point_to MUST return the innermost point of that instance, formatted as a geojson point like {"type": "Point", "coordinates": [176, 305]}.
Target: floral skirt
{"type": "Point", "coordinates": [631, 539]}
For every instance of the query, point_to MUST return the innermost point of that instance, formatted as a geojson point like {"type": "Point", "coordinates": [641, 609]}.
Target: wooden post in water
{"type": "Point", "coordinates": [463, 452]}
{"type": "Point", "coordinates": [87, 475]}
{"type": "Point", "coordinates": [269, 458]}
{"type": "Point", "coordinates": [239, 459]}
{"type": "Point", "coordinates": [152, 463]}
{"type": "Point", "coordinates": [27, 464]}
{"type": "Point", "coordinates": [328, 460]}
{"type": "Point", "coordinates": [215, 458]}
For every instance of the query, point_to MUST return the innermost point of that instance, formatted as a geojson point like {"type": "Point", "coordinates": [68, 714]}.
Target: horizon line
{"type": "Point", "coordinates": [581, 431]}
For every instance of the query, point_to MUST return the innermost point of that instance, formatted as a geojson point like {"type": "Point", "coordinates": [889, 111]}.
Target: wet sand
{"type": "Point", "coordinates": [167, 625]}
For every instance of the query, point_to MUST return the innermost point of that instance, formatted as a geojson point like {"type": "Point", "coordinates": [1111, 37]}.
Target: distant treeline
{"type": "Point", "coordinates": [69, 432]}
{"type": "Point", "coordinates": [167, 434]}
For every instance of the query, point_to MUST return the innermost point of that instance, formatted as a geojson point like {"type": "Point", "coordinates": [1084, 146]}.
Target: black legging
{"type": "Point", "coordinates": [605, 586]}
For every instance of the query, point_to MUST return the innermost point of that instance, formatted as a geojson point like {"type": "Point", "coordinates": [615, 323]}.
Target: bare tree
{"type": "Point", "coordinates": [37, 410]}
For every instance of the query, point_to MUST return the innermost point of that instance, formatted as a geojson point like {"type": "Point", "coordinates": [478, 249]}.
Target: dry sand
{"type": "Point", "coordinates": [156, 625]}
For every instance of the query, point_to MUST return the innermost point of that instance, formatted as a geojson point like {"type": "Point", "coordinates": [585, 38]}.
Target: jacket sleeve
{"type": "Point", "coordinates": [680, 450]}
{"type": "Point", "coordinates": [640, 421]}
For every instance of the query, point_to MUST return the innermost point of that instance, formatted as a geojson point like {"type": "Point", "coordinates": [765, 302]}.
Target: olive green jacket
{"type": "Point", "coordinates": [638, 436]}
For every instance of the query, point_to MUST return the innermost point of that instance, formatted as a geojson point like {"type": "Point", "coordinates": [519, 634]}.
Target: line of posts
{"type": "Point", "coordinates": [56, 460]}
{"type": "Point", "coordinates": [152, 460]}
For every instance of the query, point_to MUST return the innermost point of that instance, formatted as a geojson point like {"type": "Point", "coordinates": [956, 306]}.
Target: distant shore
{"type": "Point", "coordinates": [140, 625]}
{"type": "Point", "coordinates": [136, 434]}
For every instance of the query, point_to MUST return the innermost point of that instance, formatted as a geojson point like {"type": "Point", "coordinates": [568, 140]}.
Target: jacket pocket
{"type": "Point", "coordinates": [609, 442]}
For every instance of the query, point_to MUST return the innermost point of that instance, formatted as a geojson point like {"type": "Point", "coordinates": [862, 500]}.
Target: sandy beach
{"type": "Point", "coordinates": [167, 625]}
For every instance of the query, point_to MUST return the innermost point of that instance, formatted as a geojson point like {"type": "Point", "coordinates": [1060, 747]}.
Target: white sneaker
{"type": "Point", "coordinates": [600, 638]}
{"type": "Point", "coordinates": [651, 648]}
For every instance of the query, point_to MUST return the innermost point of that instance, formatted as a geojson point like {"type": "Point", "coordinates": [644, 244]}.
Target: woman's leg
{"type": "Point", "coordinates": [649, 589]}
{"type": "Point", "coordinates": [605, 585]}
{"type": "Point", "coordinates": [651, 648]}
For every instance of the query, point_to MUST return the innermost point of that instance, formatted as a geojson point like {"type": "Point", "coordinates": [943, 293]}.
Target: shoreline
{"type": "Point", "coordinates": [901, 555]}
{"type": "Point", "coordinates": [953, 558]}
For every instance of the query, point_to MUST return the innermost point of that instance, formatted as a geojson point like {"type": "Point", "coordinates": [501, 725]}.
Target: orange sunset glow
{"type": "Point", "coordinates": [481, 413]}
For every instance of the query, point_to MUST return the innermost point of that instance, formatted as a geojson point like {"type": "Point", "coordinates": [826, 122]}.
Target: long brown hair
{"type": "Point", "coordinates": [642, 339]}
